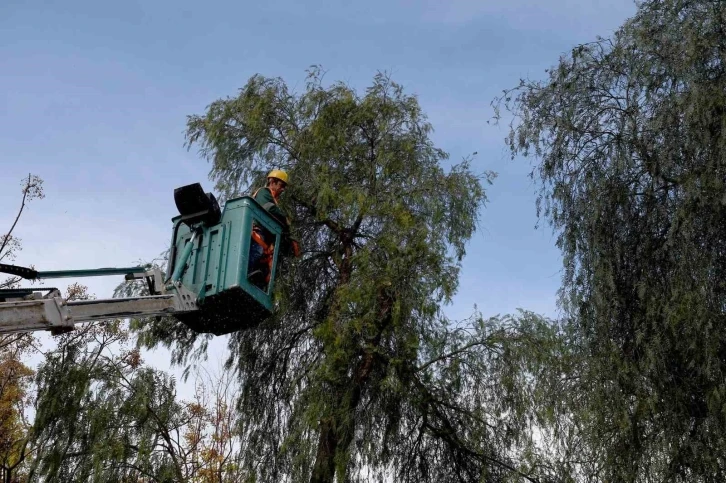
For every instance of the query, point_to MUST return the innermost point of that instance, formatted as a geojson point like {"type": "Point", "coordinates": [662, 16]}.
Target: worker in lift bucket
{"type": "Point", "coordinates": [262, 243]}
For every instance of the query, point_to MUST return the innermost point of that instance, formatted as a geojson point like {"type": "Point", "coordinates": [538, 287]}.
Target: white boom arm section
{"type": "Point", "coordinates": [34, 311]}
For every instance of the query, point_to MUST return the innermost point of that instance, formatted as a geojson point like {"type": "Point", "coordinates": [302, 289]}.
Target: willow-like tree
{"type": "Point", "coordinates": [628, 135]}
{"type": "Point", "coordinates": [101, 414]}
{"type": "Point", "coordinates": [15, 376]}
{"type": "Point", "coordinates": [358, 374]}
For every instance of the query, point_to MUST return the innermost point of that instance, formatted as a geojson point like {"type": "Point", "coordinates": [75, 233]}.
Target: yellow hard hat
{"type": "Point", "coordinates": [278, 174]}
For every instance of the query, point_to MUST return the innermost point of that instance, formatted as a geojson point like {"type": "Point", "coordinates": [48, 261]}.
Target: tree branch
{"type": "Point", "coordinates": [333, 225]}
{"type": "Point", "coordinates": [452, 353]}
{"type": "Point", "coordinates": [6, 239]}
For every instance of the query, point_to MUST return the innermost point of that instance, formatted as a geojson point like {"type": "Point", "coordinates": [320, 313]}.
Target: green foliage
{"type": "Point", "coordinates": [15, 379]}
{"type": "Point", "coordinates": [104, 424]}
{"type": "Point", "coordinates": [100, 414]}
{"type": "Point", "coordinates": [358, 374]}
{"type": "Point", "coordinates": [629, 137]}
{"type": "Point", "coordinates": [116, 419]}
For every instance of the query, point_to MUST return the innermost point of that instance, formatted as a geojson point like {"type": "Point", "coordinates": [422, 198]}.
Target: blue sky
{"type": "Point", "coordinates": [94, 97]}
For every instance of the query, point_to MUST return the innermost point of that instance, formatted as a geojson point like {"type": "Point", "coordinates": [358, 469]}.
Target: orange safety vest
{"type": "Point", "coordinates": [294, 243]}
{"type": "Point", "coordinates": [268, 249]}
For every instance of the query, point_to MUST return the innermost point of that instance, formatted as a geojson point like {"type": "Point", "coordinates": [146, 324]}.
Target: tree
{"type": "Point", "coordinates": [358, 374]}
{"type": "Point", "coordinates": [211, 439]}
{"type": "Point", "coordinates": [117, 419]}
{"type": "Point", "coordinates": [628, 134]}
{"type": "Point", "coordinates": [15, 376]}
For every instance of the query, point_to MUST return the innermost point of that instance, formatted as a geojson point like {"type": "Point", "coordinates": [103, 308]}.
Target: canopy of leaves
{"type": "Point", "coordinates": [629, 135]}
{"type": "Point", "coordinates": [358, 374]}
{"type": "Point", "coordinates": [116, 419]}
{"type": "Point", "coordinates": [15, 378]}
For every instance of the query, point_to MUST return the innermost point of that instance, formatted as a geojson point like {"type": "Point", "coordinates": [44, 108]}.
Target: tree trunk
{"type": "Point", "coordinates": [324, 469]}
{"type": "Point", "coordinates": [337, 435]}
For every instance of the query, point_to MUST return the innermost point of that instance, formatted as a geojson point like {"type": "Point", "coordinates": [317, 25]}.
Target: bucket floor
{"type": "Point", "coordinates": [229, 311]}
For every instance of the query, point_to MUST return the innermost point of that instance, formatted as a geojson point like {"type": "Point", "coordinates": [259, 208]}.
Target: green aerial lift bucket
{"type": "Point", "coordinates": [210, 256]}
{"type": "Point", "coordinates": [207, 286]}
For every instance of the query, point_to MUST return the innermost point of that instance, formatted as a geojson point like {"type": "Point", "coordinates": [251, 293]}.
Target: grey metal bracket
{"type": "Point", "coordinates": [29, 315]}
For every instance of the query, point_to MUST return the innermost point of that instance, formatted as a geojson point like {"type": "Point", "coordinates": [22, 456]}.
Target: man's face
{"type": "Point", "coordinates": [278, 187]}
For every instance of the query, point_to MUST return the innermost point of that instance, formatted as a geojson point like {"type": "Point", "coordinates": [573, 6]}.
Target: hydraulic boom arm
{"type": "Point", "coordinates": [28, 310]}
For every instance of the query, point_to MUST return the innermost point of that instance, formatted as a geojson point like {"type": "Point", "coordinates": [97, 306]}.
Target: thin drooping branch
{"type": "Point", "coordinates": [9, 282]}
{"type": "Point", "coordinates": [6, 238]}
{"type": "Point", "coordinates": [453, 353]}
{"type": "Point", "coordinates": [449, 434]}
{"type": "Point", "coordinates": [9, 340]}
